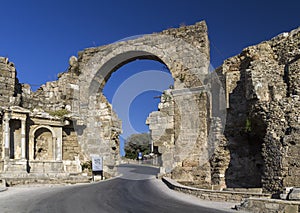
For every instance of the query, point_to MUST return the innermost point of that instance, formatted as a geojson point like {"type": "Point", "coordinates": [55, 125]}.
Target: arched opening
{"type": "Point", "coordinates": [98, 125]}
{"type": "Point", "coordinates": [134, 91]}
{"type": "Point", "coordinates": [114, 62]}
{"type": "Point", "coordinates": [43, 144]}
{"type": "Point", "coordinates": [245, 134]}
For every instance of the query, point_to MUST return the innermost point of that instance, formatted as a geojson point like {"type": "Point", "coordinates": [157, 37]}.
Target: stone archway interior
{"type": "Point", "coordinates": [43, 146]}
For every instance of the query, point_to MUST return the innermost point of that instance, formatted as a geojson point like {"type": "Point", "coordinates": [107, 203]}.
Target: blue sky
{"type": "Point", "coordinates": [39, 36]}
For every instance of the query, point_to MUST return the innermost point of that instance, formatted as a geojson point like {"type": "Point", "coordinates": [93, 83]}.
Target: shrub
{"type": "Point", "coordinates": [59, 113]}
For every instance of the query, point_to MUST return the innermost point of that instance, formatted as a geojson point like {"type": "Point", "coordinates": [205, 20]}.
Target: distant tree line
{"type": "Point", "coordinates": [136, 143]}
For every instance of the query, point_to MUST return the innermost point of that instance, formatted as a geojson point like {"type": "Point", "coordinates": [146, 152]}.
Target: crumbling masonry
{"type": "Point", "coordinates": [235, 127]}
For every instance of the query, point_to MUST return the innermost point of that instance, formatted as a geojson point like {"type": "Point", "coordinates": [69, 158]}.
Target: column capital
{"type": "Point", "coordinates": [6, 117]}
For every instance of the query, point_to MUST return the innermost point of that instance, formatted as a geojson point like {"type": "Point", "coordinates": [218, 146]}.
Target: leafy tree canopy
{"type": "Point", "coordinates": [136, 143]}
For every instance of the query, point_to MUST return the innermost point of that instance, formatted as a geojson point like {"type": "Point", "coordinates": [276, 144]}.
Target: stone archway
{"type": "Point", "coordinates": [185, 51]}
{"type": "Point", "coordinates": [43, 147]}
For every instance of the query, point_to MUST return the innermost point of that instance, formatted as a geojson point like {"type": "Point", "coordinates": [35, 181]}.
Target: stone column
{"type": "Point", "coordinates": [54, 147]}
{"type": "Point", "coordinates": [7, 137]}
{"type": "Point", "coordinates": [58, 149]}
{"type": "Point", "coordinates": [151, 146]}
{"type": "Point", "coordinates": [23, 139]}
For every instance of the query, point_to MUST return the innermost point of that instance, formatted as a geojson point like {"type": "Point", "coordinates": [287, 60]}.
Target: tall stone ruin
{"type": "Point", "coordinates": [259, 145]}
{"type": "Point", "coordinates": [262, 127]}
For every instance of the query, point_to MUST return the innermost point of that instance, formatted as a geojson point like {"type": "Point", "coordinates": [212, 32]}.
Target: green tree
{"type": "Point", "coordinates": [136, 143]}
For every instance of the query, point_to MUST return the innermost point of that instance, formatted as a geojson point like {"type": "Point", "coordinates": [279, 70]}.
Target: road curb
{"type": "Point", "coordinates": [212, 195]}
{"type": "Point", "coordinates": [172, 184]}
{"type": "Point", "coordinates": [2, 189]}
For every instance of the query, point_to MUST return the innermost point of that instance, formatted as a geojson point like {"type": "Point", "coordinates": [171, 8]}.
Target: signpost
{"type": "Point", "coordinates": [97, 166]}
{"type": "Point", "coordinates": [140, 156]}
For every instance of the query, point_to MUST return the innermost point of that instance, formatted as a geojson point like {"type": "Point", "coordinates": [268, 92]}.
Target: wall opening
{"type": "Point", "coordinates": [245, 134]}
{"type": "Point", "coordinates": [15, 139]}
{"type": "Point", "coordinates": [43, 145]}
{"type": "Point", "coordinates": [134, 91]}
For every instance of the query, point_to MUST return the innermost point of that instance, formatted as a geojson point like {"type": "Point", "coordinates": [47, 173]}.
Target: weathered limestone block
{"type": "Point", "coordinates": [293, 72]}
{"type": "Point", "coordinates": [262, 205]}
{"type": "Point", "coordinates": [161, 126]}
{"type": "Point", "coordinates": [15, 167]}
{"type": "Point", "coordinates": [71, 166]}
{"type": "Point", "coordinates": [179, 129]}
{"type": "Point", "coordinates": [220, 156]}
{"type": "Point", "coordinates": [198, 176]}
{"type": "Point", "coordinates": [294, 194]}
{"type": "Point", "coordinates": [71, 148]}
{"type": "Point", "coordinates": [9, 84]}
{"type": "Point", "coordinates": [56, 95]}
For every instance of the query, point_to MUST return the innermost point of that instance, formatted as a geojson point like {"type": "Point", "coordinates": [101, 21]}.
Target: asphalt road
{"type": "Point", "coordinates": [136, 190]}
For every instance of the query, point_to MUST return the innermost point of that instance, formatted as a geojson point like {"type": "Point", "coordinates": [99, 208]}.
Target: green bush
{"type": "Point", "coordinates": [136, 143]}
{"type": "Point", "coordinates": [59, 113]}
{"type": "Point", "coordinates": [86, 166]}
{"type": "Point", "coordinates": [248, 125]}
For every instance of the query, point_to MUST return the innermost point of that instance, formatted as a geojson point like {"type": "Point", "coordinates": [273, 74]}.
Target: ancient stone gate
{"type": "Point", "coordinates": [54, 131]}
{"type": "Point", "coordinates": [185, 51]}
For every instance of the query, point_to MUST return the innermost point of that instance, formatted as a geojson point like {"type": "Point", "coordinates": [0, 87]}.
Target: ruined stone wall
{"type": "Point", "coordinates": [1, 143]}
{"type": "Point", "coordinates": [9, 84]}
{"type": "Point", "coordinates": [179, 129]}
{"type": "Point", "coordinates": [162, 130]}
{"type": "Point", "coordinates": [9, 90]}
{"type": "Point", "coordinates": [107, 128]}
{"type": "Point", "coordinates": [219, 155]}
{"type": "Point", "coordinates": [244, 169]}
{"type": "Point", "coordinates": [262, 128]}
{"type": "Point", "coordinates": [57, 97]}
{"type": "Point", "coordinates": [284, 128]}
{"type": "Point", "coordinates": [196, 52]}
{"type": "Point", "coordinates": [191, 137]}
{"type": "Point", "coordinates": [53, 96]}
{"type": "Point", "coordinates": [70, 146]}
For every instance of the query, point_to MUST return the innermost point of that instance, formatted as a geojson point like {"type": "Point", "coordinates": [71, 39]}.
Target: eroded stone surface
{"type": "Point", "coordinates": [262, 128]}
{"type": "Point", "coordinates": [294, 194]}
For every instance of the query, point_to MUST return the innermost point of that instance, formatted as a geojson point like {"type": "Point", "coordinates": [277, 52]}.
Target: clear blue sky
{"type": "Point", "coordinates": [39, 36]}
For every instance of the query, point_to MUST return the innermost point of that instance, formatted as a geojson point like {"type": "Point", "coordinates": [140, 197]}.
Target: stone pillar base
{"type": "Point", "coordinates": [15, 166]}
